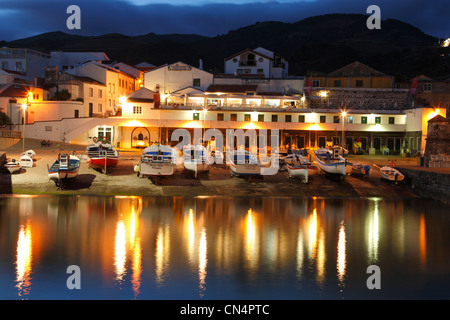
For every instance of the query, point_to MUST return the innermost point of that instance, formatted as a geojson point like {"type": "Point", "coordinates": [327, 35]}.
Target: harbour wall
{"type": "Point", "coordinates": [428, 183]}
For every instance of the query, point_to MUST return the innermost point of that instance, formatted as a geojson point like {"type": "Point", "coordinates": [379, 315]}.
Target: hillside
{"type": "Point", "coordinates": [322, 43]}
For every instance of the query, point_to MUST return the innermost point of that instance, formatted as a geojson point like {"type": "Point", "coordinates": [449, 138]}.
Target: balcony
{"type": "Point", "coordinates": [247, 63]}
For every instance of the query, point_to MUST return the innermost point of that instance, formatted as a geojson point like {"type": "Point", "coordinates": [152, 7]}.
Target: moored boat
{"type": "Point", "coordinates": [331, 162]}
{"type": "Point", "coordinates": [65, 167]}
{"type": "Point", "coordinates": [297, 166]}
{"type": "Point", "coordinates": [157, 160]}
{"type": "Point", "coordinates": [195, 159]}
{"type": "Point", "coordinates": [244, 163]}
{"type": "Point", "coordinates": [102, 156]}
{"type": "Point", "coordinates": [12, 166]}
{"type": "Point", "coordinates": [26, 161]}
{"type": "Point", "coordinates": [360, 169]}
{"type": "Point", "coordinates": [391, 174]}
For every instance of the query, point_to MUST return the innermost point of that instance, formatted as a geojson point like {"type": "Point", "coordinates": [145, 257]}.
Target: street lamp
{"type": "Point", "coordinates": [204, 118]}
{"type": "Point", "coordinates": [343, 123]}
{"type": "Point", "coordinates": [24, 108]}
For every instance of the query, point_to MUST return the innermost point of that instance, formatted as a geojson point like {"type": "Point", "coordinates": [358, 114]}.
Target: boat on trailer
{"type": "Point", "coordinates": [65, 167]}
{"type": "Point", "coordinates": [156, 161]}
{"type": "Point", "coordinates": [195, 159]}
{"type": "Point", "coordinates": [102, 156]}
{"type": "Point", "coordinates": [244, 163]}
{"type": "Point", "coordinates": [331, 162]}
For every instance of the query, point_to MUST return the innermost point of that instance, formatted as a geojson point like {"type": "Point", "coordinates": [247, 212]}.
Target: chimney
{"type": "Point", "coordinates": [200, 64]}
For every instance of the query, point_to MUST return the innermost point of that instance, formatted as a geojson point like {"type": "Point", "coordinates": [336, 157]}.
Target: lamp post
{"type": "Point", "coordinates": [24, 108]}
{"type": "Point", "coordinates": [204, 118]}
{"type": "Point", "coordinates": [343, 124]}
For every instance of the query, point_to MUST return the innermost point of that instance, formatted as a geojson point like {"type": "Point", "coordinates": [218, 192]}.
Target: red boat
{"type": "Point", "coordinates": [102, 156]}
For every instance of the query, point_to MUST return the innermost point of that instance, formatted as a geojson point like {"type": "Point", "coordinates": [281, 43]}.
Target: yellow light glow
{"type": "Point", "coordinates": [341, 258]}
{"type": "Point", "coordinates": [344, 113]}
{"type": "Point", "coordinates": [323, 94]}
{"type": "Point", "coordinates": [446, 43]}
{"type": "Point", "coordinates": [250, 125]}
{"type": "Point", "coordinates": [120, 251]}
{"type": "Point", "coordinates": [24, 259]}
{"type": "Point", "coordinates": [192, 124]}
{"type": "Point", "coordinates": [202, 261]}
{"type": "Point", "coordinates": [132, 123]}
{"type": "Point", "coordinates": [122, 100]}
{"type": "Point", "coordinates": [314, 126]}
{"type": "Point", "coordinates": [24, 106]}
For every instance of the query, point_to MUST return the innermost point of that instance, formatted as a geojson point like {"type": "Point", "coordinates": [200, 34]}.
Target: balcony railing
{"type": "Point", "coordinates": [247, 63]}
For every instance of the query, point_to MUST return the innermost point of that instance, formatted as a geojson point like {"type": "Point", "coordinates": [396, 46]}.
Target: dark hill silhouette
{"type": "Point", "coordinates": [322, 43]}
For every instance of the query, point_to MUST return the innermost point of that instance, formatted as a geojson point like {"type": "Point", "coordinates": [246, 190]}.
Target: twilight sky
{"type": "Point", "coordinates": [24, 18]}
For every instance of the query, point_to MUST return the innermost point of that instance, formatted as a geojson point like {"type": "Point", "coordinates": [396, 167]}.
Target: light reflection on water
{"type": "Point", "coordinates": [222, 248]}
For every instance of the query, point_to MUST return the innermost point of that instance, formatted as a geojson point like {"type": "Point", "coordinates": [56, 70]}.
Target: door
{"type": "Point", "coordinates": [377, 143]}
{"type": "Point", "coordinates": [363, 143]}
{"type": "Point", "coordinates": [300, 142]}
{"type": "Point", "coordinates": [322, 142]}
{"type": "Point", "coordinates": [91, 109]}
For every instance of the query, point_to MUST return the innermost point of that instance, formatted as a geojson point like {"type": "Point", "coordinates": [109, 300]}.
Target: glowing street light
{"type": "Point", "coordinates": [343, 123]}
{"type": "Point", "coordinates": [24, 108]}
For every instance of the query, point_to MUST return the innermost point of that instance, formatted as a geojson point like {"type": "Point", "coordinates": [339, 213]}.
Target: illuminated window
{"type": "Point", "coordinates": [260, 117]}
{"type": "Point", "coordinates": [363, 120]}
{"type": "Point", "coordinates": [247, 117]}
{"type": "Point", "coordinates": [378, 120]}
{"type": "Point", "coordinates": [137, 110]}
{"type": "Point", "coordinates": [233, 117]}
{"type": "Point", "coordinates": [196, 116]}
{"type": "Point", "coordinates": [391, 120]}
{"type": "Point", "coordinates": [220, 117]}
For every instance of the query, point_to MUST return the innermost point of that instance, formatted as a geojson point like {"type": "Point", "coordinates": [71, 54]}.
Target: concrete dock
{"type": "Point", "coordinates": [218, 182]}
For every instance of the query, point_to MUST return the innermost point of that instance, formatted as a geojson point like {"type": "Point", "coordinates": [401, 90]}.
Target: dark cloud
{"type": "Point", "coordinates": [23, 18]}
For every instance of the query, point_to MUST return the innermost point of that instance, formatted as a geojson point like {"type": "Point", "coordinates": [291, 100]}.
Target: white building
{"type": "Point", "coordinates": [259, 61]}
{"type": "Point", "coordinates": [30, 62]}
{"type": "Point", "coordinates": [173, 77]}
{"type": "Point", "coordinates": [68, 60]}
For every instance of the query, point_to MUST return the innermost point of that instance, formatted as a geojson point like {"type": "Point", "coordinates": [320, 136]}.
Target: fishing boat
{"type": "Point", "coordinates": [195, 159]}
{"type": "Point", "coordinates": [244, 163]}
{"type": "Point", "coordinates": [297, 166]}
{"type": "Point", "coordinates": [26, 161]}
{"type": "Point", "coordinates": [360, 169]}
{"type": "Point", "coordinates": [331, 162]}
{"type": "Point", "coordinates": [391, 174]}
{"type": "Point", "coordinates": [157, 160]}
{"type": "Point", "coordinates": [102, 156]}
{"type": "Point", "coordinates": [29, 153]}
{"type": "Point", "coordinates": [65, 167]}
{"type": "Point", "coordinates": [13, 166]}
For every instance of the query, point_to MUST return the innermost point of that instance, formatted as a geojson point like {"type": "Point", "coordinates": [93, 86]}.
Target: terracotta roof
{"type": "Point", "coordinates": [439, 118]}
{"type": "Point", "coordinates": [15, 90]}
{"type": "Point", "coordinates": [361, 68]}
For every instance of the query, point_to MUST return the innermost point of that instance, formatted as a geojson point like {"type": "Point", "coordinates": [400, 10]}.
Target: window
{"type": "Point", "coordinates": [91, 92]}
{"type": "Point", "coordinates": [48, 128]}
{"type": "Point", "coordinates": [336, 119]}
{"type": "Point", "coordinates": [315, 83]}
{"type": "Point", "coordinates": [359, 83]}
{"type": "Point", "coordinates": [137, 110]}
{"type": "Point", "coordinates": [350, 119]}
{"type": "Point", "coordinates": [18, 65]}
{"type": "Point", "coordinates": [288, 118]}
{"type": "Point", "coordinates": [301, 118]}
{"type": "Point", "coordinates": [260, 117]}
{"type": "Point", "coordinates": [247, 117]}
{"type": "Point", "coordinates": [196, 116]}
{"type": "Point", "coordinates": [391, 120]}
{"type": "Point", "coordinates": [378, 120]}
{"type": "Point", "coordinates": [274, 118]}
{"type": "Point", "coordinates": [260, 71]}
{"type": "Point", "coordinates": [337, 83]}
{"type": "Point", "coordinates": [220, 117]}
{"type": "Point", "coordinates": [323, 119]}
{"type": "Point", "coordinates": [100, 93]}
{"type": "Point", "coordinates": [336, 141]}
{"type": "Point", "coordinates": [196, 82]}
{"type": "Point", "coordinates": [5, 65]}
{"type": "Point", "coordinates": [233, 117]}
{"type": "Point", "coordinates": [100, 108]}
{"type": "Point", "coordinates": [364, 120]}
{"type": "Point", "coordinates": [427, 87]}
{"type": "Point", "coordinates": [77, 113]}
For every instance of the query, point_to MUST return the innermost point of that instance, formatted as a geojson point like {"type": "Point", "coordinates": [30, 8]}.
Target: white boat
{"type": "Point", "coordinates": [360, 169]}
{"type": "Point", "coordinates": [65, 167]}
{"type": "Point", "coordinates": [102, 156]}
{"type": "Point", "coordinates": [13, 166]}
{"type": "Point", "coordinates": [391, 174]}
{"type": "Point", "coordinates": [244, 163]}
{"type": "Point", "coordinates": [26, 161]}
{"type": "Point", "coordinates": [29, 153]}
{"type": "Point", "coordinates": [297, 166]}
{"type": "Point", "coordinates": [195, 159]}
{"type": "Point", "coordinates": [331, 162]}
{"type": "Point", "coordinates": [157, 160]}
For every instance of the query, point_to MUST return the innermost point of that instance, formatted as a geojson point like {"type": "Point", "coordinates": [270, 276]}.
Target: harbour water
{"type": "Point", "coordinates": [209, 248]}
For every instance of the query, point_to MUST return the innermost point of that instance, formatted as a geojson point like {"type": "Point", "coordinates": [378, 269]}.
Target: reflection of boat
{"type": "Point", "coordinates": [157, 160]}
{"type": "Point", "coordinates": [102, 156]}
{"type": "Point", "coordinates": [195, 159]}
{"type": "Point", "coordinates": [297, 166]}
{"type": "Point", "coordinates": [244, 163]}
{"type": "Point", "coordinates": [331, 162]}
{"type": "Point", "coordinates": [391, 174]}
{"type": "Point", "coordinates": [65, 167]}
{"type": "Point", "coordinates": [12, 166]}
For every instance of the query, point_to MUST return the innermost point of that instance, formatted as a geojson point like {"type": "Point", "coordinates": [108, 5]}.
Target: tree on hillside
{"type": "Point", "coordinates": [4, 119]}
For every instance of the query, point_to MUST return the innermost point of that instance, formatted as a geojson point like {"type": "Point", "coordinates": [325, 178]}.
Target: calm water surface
{"type": "Point", "coordinates": [223, 248]}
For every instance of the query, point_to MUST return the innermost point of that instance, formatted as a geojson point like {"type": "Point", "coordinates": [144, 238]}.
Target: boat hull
{"type": "Point", "coordinates": [245, 169]}
{"type": "Point", "coordinates": [391, 174]}
{"type": "Point", "coordinates": [13, 167]}
{"type": "Point", "coordinates": [332, 167]}
{"type": "Point", "coordinates": [155, 169]}
{"type": "Point", "coordinates": [298, 172]}
{"type": "Point", "coordinates": [196, 167]}
{"type": "Point", "coordinates": [99, 163]}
